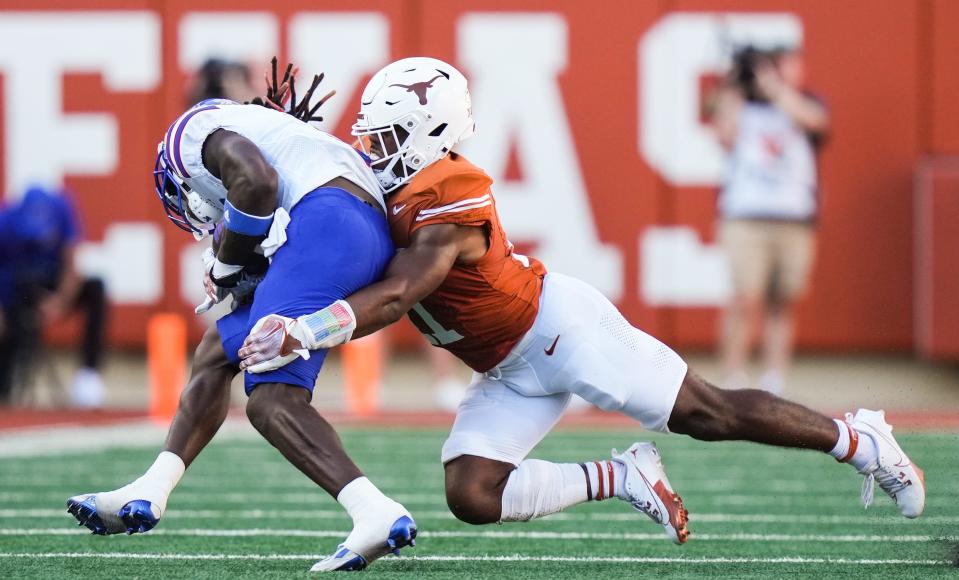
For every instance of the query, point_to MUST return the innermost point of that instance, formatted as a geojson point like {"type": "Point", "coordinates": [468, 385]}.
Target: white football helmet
{"type": "Point", "coordinates": [413, 111]}
{"type": "Point", "coordinates": [193, 204]}
{"type": "Point", "coordinates": [186, 207]}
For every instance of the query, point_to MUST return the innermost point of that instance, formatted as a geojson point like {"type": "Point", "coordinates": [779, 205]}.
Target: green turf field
{"type": "Point", "coordinates": [242, 511]}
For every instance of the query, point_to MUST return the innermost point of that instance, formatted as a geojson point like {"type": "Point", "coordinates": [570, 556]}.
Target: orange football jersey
{"type": "Point", "coordinates": [481, 310]}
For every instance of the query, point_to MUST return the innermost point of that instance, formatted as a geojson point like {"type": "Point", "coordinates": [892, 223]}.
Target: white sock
{"type": "Point", "coordinates": [846, 433]}
{"type": "Point", "coordinates": [853, 449]}
{"type": "Point", "coordinates": [373, 513]}
{"type": "Point", "coordinates": [605, 479]}
{"type": "Point", "coordinates": [360, 498]}
{"type": "Point", "coordinates": [538, 488]}
{"type": "Point", "coordinates": [154, 486]}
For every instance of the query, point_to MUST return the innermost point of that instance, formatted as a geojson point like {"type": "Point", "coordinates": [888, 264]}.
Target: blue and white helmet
{"type": "Point", "coordinates": [193, 203]}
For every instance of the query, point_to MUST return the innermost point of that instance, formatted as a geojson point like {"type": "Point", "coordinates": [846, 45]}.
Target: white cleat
{"type": "Point", "coordinates": [900, 478]}
{"type": "Point", "coordinates": [649, 491]}
{"type": "Point", "coordinates": [108, 513]}
{"type": "Point", "coordinates": [375, 537]}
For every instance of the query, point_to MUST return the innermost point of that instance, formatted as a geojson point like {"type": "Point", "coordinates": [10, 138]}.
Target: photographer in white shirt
{"type": "Point", "coordinates": [768, 204]}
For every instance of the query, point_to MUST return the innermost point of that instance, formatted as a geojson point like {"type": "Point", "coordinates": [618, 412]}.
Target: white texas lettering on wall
{"type": "Point", "coordinates": [347, 47]}
{"type": "Point", "coordinates": [677, 268]}
{"type": "Point", "coordinates": [250, 38]}
{"type": "Point", "coordinates": [513, 62]}
{"type": "Point", "coordinates": [36, 49]}
{"type": "Point", "coordinates": [43, 144]}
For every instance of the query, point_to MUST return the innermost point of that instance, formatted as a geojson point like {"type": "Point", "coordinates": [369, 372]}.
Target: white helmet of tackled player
{"type": "Point", "coordinates": [195, 203]}
{"type": "Point", "coordinates": [413, 111]}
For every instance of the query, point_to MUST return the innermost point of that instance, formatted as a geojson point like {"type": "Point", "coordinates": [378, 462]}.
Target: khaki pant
{"type": "Point", "coordinates": [767, 258]}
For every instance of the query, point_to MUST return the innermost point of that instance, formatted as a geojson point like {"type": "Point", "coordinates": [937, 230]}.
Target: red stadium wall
{"type": "Point", "coordinates": [936, 287]}
{"type": "Point", "coordinates": [576, 116]}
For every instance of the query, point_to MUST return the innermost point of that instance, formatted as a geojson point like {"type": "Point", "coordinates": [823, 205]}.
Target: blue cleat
{"type": "Point", "coordinates": [401, 534]}
{"type": "Point", "coordinates": [84, 509]}
{"type": "Point", "coordinates": [134, 517]}
{"type": "Point", "coordinates": [139, 516]}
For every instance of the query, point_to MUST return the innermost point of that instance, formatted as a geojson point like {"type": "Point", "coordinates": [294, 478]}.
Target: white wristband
{"type": "Point", "coordinates": [326, 328]}
{"type": "Point", "coordinates": [221, 270]}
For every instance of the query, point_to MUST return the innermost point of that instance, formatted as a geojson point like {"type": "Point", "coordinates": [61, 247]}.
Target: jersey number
{"type": "Point", "coordinates": [437, 335]}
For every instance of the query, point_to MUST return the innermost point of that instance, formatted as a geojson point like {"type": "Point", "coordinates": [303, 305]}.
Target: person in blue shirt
{"type": "Point", "coordinates": [39, 284]}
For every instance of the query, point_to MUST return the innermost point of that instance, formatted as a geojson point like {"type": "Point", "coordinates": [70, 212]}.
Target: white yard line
{"type": "Point", "coordinates": [424, 505]}
{"type": "Point", "coordinates": [764, 488]}
{"type": "Point", "coordinates": [500, 535]}
{"type": "Point", "coordinates": [321, 514]}
{"type": "Point", "coordinates": [765, 493]}
{"type": "Point", "coordinates": [510, 558]}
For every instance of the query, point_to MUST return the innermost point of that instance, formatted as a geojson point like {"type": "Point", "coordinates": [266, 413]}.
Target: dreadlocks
{"type": "Point", "coordinates": [282, 96]}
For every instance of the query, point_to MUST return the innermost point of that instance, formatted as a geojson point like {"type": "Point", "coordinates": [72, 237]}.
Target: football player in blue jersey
{"type": "Point", "coordinates": [309, 204]}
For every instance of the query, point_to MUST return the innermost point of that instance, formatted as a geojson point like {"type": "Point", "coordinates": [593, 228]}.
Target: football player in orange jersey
{"type": "Point", "coordinates": [534, 338]}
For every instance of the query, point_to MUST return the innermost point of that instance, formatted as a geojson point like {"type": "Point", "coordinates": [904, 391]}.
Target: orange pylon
{"type": "Point", "coordinates": [363, 371]}
{"type": "Point", "coordinates": [166, 361]}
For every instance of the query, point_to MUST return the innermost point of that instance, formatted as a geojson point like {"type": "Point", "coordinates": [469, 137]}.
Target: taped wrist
{"type": "Point", "coordinates": [225, 275]}
{"type": "Point", "coordinates": [329, 327]}
{"type": "Point", "coordinates": [246, 224]}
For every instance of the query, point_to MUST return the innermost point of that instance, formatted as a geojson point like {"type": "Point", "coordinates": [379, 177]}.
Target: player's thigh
{"type": "Point", "coordinates": [335, 246]}
{"type": "Point", "coordinates": [625, 369]}
{"type": "Point", "coordinates": [233, 328]}
{"type": "Point", "coordinates": [211, 353]}
{"type": "Point", "coordinates": [495, 422]}
{"type": "Point", "coordinates": [795, 255]}
{"type": "Point", "coordinates": [602, 358]}
{"type": "Point", "coordinates": [301, 372]}
{"type": "Point", "coordinates": [747, 252]}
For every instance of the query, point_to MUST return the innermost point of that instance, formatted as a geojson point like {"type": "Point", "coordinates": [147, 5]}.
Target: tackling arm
{"type": "Point", "coordinates": [414, 273]}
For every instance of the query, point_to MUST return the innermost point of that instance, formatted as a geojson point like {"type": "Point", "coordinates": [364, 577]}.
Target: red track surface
{"type": "Point", "coordinates": [14, 418]}
{"type": "Point", "coordinates": [17, 418]}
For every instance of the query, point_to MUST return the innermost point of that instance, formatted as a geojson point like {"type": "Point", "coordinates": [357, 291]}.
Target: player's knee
{"type": "Point", "coordinates": [270, 406]}
{"type": "Point", "coordinates": [211, 375]}
{"type": "Point", "coordinates": [257, 411]}
{"type": "Point", "coordinates": [473, 504]}
{"type": "Point", "coordinates": [471, 495]}
{"type": "Point", "coordinates": [264, 413]}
